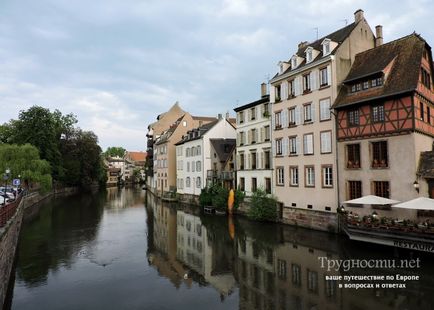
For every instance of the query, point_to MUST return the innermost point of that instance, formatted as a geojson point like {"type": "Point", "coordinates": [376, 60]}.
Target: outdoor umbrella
{"type": "Point", "coordinates": [421, 203]}
{"type": "Point", "coordinates": [371, 200]}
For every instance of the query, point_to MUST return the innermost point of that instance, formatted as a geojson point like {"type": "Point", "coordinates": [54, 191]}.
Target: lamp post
{"type": "Point", "coordinates": [5, 178]}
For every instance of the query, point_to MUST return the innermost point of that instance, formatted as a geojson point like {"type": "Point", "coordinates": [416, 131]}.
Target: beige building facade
{"type": "Point", "coordinates": [303, 136]}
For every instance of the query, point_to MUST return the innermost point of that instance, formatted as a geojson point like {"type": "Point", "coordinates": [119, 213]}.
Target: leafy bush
{"type": "Point", "coordinates": [220, 198]}
{"type": "Point", "coordinates": [262, 207]}
{"type": "Point", "coordinates": [238, 198]}
{"type": "Point", "coordinates": [205, 197]}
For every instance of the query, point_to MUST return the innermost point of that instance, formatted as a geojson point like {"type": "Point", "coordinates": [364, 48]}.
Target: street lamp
{"type": "Point", "coordinates": [5, 178]}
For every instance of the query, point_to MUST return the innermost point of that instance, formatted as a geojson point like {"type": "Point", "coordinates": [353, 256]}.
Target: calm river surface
{"type": "Point", "coordinates": [122, 249]}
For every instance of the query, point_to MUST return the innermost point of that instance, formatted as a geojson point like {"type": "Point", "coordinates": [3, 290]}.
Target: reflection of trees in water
{"type": "Point", "coordinates": [57, 235]}
{"type": "Point", "coordinates": [125, 197]}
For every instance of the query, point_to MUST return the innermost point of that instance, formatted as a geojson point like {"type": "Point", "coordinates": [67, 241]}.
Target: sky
{"type": "Point", "coordinates": [117, 64]}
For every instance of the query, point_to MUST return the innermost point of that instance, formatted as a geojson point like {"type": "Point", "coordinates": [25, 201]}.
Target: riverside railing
{"type": "Point", "coordinates": [8, 211]}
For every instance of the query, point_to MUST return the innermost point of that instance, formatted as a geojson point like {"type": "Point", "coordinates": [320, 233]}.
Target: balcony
{"type": "Point", "coordinates": [220, 175]}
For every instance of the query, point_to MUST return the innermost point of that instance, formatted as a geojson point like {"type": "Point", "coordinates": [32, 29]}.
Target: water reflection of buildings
{"type": "Point", "coordinates": [121, 198]}
{"type": "Point", "coordinates": [205, 253]}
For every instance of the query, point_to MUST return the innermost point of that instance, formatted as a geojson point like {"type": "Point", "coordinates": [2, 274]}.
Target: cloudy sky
{"type": "Point", "coordinates": [116, 64]}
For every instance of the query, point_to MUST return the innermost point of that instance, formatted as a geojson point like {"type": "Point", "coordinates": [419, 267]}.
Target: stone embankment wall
{"type": "Point", "coordinates": [9, 235]}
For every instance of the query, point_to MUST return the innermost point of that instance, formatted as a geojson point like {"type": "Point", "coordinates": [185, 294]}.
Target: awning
{"type": "Point", "coordinates": [421, 203]}
{"type": "Point", "coordinates": [371, 200]}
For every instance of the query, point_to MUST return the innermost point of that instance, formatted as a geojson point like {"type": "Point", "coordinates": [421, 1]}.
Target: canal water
{"type": "Point", "coordinates": [123, 249]}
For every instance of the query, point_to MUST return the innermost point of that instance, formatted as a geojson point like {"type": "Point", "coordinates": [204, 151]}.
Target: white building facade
{"type": "Point", "coordinates": [254, 154]}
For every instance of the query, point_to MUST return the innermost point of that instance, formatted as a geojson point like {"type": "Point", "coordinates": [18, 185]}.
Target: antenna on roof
{"type": "Point", "coordinates": [345, 20]}
{"type": "Point", "coordinates": [316, 29]}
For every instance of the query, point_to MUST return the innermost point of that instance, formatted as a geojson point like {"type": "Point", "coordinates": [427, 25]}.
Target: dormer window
{"type": "Point", "coordinates": [326, 47]}
{"type": "Point", "coordinates": [309, 55]}
{"type": "Point", "coordinates": [294, 62]}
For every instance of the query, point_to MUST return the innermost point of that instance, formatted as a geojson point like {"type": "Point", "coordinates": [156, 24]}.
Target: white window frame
{"type": "Point", "coordinates": [279, 147]}
{"type": "Point", "coordinates": [280, 174]}
{"type": "Point", "coordinates": [310, 176]}
{"type": "Point", "coordinates": [327, 176]}
{"type": "Point", "coordinates": [307, 112]}
{"type": "Point", "coordinates": [294, 176]}
{"type": "Point", "coordinates": [308, 146]}
{"type": "Point", "coordinates": [324, 109]}
{"type": "Point", "coordinates": [326, 142]}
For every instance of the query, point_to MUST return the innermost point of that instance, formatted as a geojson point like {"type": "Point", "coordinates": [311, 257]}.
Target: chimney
{"type": "Point", "coordinates": [219, 116]}
{"type": "Point", "coordinates": [303, 44]}
{"type": "Point", "coordinates": [358, 15]}
{"type": "Point", "coordinates": [263, 90]}
{"type": "Point", "coordinates": [379, 35]}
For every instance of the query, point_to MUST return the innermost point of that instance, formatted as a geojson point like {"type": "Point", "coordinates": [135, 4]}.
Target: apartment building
{"type": "Point", "coordinates": [254, 156]}
{"type": "Point", "coordinates": [205, 151]}
{"type": "Point", "coordinates": [304, 146]}
{"type": "Point", "coordinates": [385, 122]}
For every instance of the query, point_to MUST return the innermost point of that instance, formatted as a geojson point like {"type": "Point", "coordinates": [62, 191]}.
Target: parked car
{"type": "Point", "coordinates": [8, 194]}
{"type": "Point", "coordinates": [5, 198]}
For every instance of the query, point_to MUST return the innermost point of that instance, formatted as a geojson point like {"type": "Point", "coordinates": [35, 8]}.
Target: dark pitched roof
{"type": "Point", "coordinates": [404, 55]}
{"type": "Point", "coordinates": [223, 148]}
{"type": "Point", "coordinates": [196, 133]}
{"type": "Point", "coordinates": [264, 99]}
{"type": "Point", "coordinates": [426, 165]}
{"type": "Point", "coordinates": [338, 36]}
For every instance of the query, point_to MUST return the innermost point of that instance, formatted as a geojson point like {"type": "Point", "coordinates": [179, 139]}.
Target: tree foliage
{"type": "Point", "coordinates": [24, 160]}
{"type": "Point", "coordinates": [113, 151]}
{"type": "Point", "coordinates": [262, 207]}
{"type": "Point", "coordinates": [73, 154]}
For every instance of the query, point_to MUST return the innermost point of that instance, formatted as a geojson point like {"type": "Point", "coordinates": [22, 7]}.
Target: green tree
{"type": "Point", "coordinates": [262, 207]}
{"type": "Point", "coordinates": [114, 151]}
{"type": "Point", "coordinates": [24, 160]}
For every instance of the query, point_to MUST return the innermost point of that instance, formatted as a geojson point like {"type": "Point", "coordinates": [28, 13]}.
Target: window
{"type": "Point", "coordinates": [267, 133]}
{"type": "Point", "coordinates": [426, 78]}
{"type": "Point", "coordinates": [268, 185]}
{"type": "Point", "coordinates": [308, 144]}
{"type": "Point", "coordinates": [296, 274]}
{"type": "Point", "coordinates": [309, 176]}
{"type": "Point", "coordinates": [379, 154]}
{"type": "Point", "coordinates": [308, 54]}
{"type": "Point", "coordinates": [193, 167]}
{"type": "Point", "coordinates": [198, 166]}
{"type": "Point", "coordinates": [377, 113]}
{"type": "Point", "coordinates": [381, 188]}
{"type": "Point", "coordinates": [293, 175]}
{"type": "Point", "coordinates": [254, 185]}
{"type": "Point", "coordinates": [312, 281]}
{"type": "Point", "coordinates": [324, 109]}
{"type": "Point", "coordinates": [327, 176]}
{"type": "Point", "coordinates": [242, 184]}
{"type": "Point", "coordinates": [306, 83]}
{"type": "Point", "coordinates": [187, 152]}
{"type": "Point", "coordinates": [253, 163]}
{"type": "Point", "coordinates": [279, 147]}
{"type": "Point", "coordinates": [266, 110]}
{"type": "Point", "coordinates": [353, 88]}
{"type": "Point", "coordinates": [198, 150]}
{"type": "Point", "coordinates": [428, 115]}
{"type": "Point", "coordinates": [326, 142]}
{"type": "Point", "coordinates": [294, 62]}
{"type": "Point", "coordinates": [241, 117]}
{"type": "Point", "coordinates": [326, 47]}
{"type": "Point", "coordinates": [307, 108]}
{"type": "Point", "coordinates": [353, 117]}
{"type": "Point", "coordinates": [281, 269]}
{"type": "Point", "coordinates": [278, 93]}
{"type": "Point", "coordinates": [330, 288]}
{"type": "Point", "coordinates": [293, 145]}
{"type": "Point", "coordinates": [365, 85]}
{"type": "Point", "coordinates": [358, 87]}
{"type": "Point", "coordinates": [278, 120]}
{"type": "Point", "coordinates": [253, 137]}
{"type": "Point", "coordinates": [291, 88]}
{"type": "Point", "coordinates": [421, 110]}
{"type": "Point", "coordinates": [323, 77]}
{"type": "Point", "coordinates": [353, 156]}
{"type": "Point", "coordinates": [187, 182]}
{"type": "Point", "coordinates": [377, 82]}
{"type": "Point", "coordinates": [354, 189]}
{"type": "Point", "coordinates": [188, 166]}
{"type": "Point", "coordinates": [267, 160]}
{"type": "Point", "coordinates": [291, 116]}
{"type": "Point", "coordinates": [198, 183]}
{"type": "Point", "coordinates": [252, 114]}
{"type": "Point", "coordinates": [280, 180]}
{"type": "Point", "coordinates": [242, 161]}
{"type": "Point", "coordinates": [242, 139]}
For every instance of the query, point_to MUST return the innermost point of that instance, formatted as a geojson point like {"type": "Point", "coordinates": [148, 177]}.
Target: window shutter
{"type": "Point", "coordinates": [262, 134]}
{"type": "Point", "coordinates": [285, 118]}
{"type": "Point", "coordinates": [256, 136]}
{"type": "Point", "coordinates": [297, 115]}
{"type": "Point", "coordinates": [284, 90]}
{"type": "Point", "coordinates": [298, 86]}
{"type": "Point", "coordinates": [262, 160]}
{"type": "Point", "coordinates": [273, 120]}
{"type": "Point", "coordinates": [312, 80]}
{"type": "Point", "coordinates": [312, 107]}
{"type": "Point", "coordinates": [249, 137]}
{"type": "Point", "coordinates": [238, 162]}
{"type": "Point", "coordinates": [272, 94]}
{"type": "Point", "coordinates": [273, 147]}
{"type": "Point", "coordinates": [249, 161]}
{"type": "Point", "coordinates": [329, 75]}
{"type": "Point", "coordinates": [285, 146]}
{"type": "Point", "coordinates": [297, 145]}
{"type": "Point", "coordinates": [238, 139]}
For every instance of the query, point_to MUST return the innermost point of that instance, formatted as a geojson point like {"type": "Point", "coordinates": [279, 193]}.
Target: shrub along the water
{"type": "Point", "coordinates": [262, 207]}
